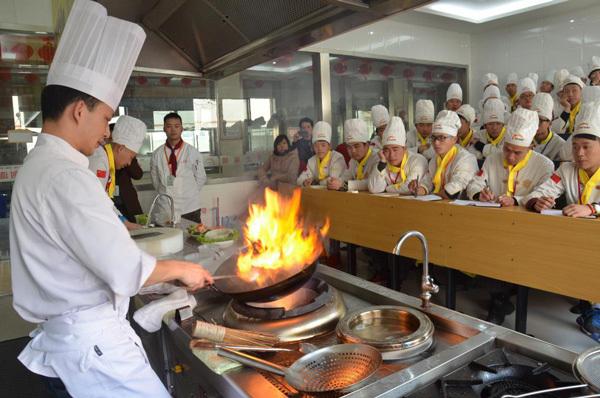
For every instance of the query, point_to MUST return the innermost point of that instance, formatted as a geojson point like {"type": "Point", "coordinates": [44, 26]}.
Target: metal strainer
{"type": "Point", "coordinates": [331, 368]}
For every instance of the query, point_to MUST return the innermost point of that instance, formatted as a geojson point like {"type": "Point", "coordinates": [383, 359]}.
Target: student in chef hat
{"type": "Point", "coordinates": [578, 182]}
{"type": "Point", "coordinates": [526, 92]}
{"type": "Point", "coordinates": [546, 142]}
{"type": "Point", "coordinates": [363, 158]}
{"type": "Point", "coordinates": [490, 139]}
{"type": "Point", "coordinates": [399, 170]}
{"type": "Point", "coordinates": [547, 84]}
{"type": "Point", "coordinates": [325, 162]}
{"type": "Point", "coordinates": [453, 167]}
{"type": "Point", "coordinates": [570, 100]}
{"type": "Point", "coordinates": [454, 97]}
{"type": "Point", "coordinates": [78, 290]}
{"type": "Point", "coordinates": [466, 134]}
{"type": "Point", "coordinates": [594, 74]}
{"type": "Point", "coordinates": [489, 79]}
{"type": "Point", "coordinates": [512, 81]}
{"type": "Point", "coordinates": [380, 117]}
{"type": "Point", "coordinates": [417, 138]}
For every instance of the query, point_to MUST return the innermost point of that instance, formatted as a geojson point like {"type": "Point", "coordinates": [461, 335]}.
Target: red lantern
{"type": "Point", "coordinates": [365, 68]}
{"type": "Point", "coordinates": [186, 81]}
{"type": "Point", "coordinates": [340, 67]}
{"type": "Point", "coordinates": [259, 83]}
{"type": "Point", "coordinates": [22, 51]}
{"type": "Point", "coordinates": [141, 80]}
{"type": "Point", "coordinates": [428, 75]}
{"type": "Point", "coordinates": [46, 52]}
{"type": "Point", "coordinates": [164, 81]}
{"type": "Point", "coordinates": [32, 78]}
{"type": "Point", "coordinates": [408, 73]}
{"type": "Point", "coordinates": [448, 77]}
{"type": "Point", "coordinates": [387, 70]}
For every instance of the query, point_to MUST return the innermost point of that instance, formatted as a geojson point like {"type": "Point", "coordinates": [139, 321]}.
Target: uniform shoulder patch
{"type": "Point", "coordinates": [101, 173]}
{"type": "Point", "coordinates": [555, 177]}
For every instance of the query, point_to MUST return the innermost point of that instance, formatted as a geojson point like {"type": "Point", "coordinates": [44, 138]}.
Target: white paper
{"type": "Point", "coordinates": [387, 194]}
{"type": "Point", "coordinates": [423, 198]}
{"type": "Point", "coordinates": [475, 203]}
{"type": "Point", "coordinates": [551, 212]}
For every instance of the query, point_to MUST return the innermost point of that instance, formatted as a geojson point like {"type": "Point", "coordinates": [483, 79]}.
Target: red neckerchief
{"type": "Point", "coordinates": [172, 157]}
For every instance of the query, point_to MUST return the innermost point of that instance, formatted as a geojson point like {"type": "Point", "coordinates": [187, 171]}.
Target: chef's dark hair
{"type": "Point", "coordinates": [306, 120]}
{"type": "Point", "coordinates": [278, 139]}
{"type": "Point", "coordinates": [172, 115]}
{"type": "Point", "coordinates": [55, 100]}
{"type": "Point", "coordinates": [587, 137]}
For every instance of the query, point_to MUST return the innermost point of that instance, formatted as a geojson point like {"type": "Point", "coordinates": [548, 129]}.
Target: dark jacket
{"type": "Point", "coordinates": [127, 201]}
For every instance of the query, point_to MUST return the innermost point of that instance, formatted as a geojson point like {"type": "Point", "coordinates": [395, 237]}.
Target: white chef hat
{"type": "Point", "coordinates": [96, 53]}
{"type": "Point", "coordinates": [572, 79]}
{"type": "Point", "coordinates": [467, 112]}
{"type": "Point", "coordinates": [493, 111]}
{"type": "Point", "coordinates": [491, 92]}
{"type": "Point", "coordinates": [321, 132]}
{"type": "Point", "coordinates": [489, 78]}
{"type": "Point", "coordinates": [590, 94]}
{"type": "Point", "coordinates": [394, 133]}
{"type": "Point", "coordinates": [424, 111]}
{"type": "Point", "coordinates": [454, 92]}
{"type": "Point", "coordinates": [533, 76]}
{"type": "Point", "coordinates": [512, 78]}
{"type": "Point", "coordinates": [577, 71]}
{"type": "Point", "coordinates": [543, 104]}
{"type": "Point", "coordinates": [130, 132]}
{"type": "Point", "coordinates": [588, 119]}
{"type": "Point", "coordinates": [526, 85]}
{"type": "Point", "coordinates": [446, 122]}
{"type": "Point", "coordinates": [595, 65]}
{"type": "Point", "coordinates": [521, 127]}
{"type": "Point", "coordinates": [380, 115]}
{"type": "Point", "coordinates": [355, 130]}
{"type": "Point", "coordinates": [559, 78]}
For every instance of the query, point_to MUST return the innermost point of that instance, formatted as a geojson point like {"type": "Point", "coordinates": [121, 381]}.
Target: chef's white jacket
{"type": "Point", "coordinates": [553, 148]}
{"type": "Point", "coordinates": [98, 164]}
{"type": "Point", "coordinates": [413, 143]}
{"type": "Point", "coordinates": [458, 173]}
{"type": "Point", "coordinates": [184, 188]}
{"type": "Point", "coordinates": [335, 168]}
{"type": "Point", "coordinates": [489, 148]}
{"type": "Point", "coordinates": [384, 180]}
{"type": "Point", "coordinates": [350, 174]}
{"type": "Point", "coordinates": [537, 170]}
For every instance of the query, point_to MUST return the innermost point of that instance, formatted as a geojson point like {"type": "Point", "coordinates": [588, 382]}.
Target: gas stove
{"type": "Point", "coordinates": [497, 373]}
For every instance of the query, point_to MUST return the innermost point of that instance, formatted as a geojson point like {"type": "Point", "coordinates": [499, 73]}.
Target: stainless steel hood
{"type": "Point", "coordinates": [221, 37]}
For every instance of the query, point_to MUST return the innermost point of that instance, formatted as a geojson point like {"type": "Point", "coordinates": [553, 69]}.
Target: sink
{"type": "Point", "coordinates": [160, 241]}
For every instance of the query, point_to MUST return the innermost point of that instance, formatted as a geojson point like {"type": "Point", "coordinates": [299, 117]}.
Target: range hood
{"type": "Point", "coordinates": [220, 37]}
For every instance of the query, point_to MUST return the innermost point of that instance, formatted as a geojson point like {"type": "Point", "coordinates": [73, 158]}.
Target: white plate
{"type": "Point", "coordinates": [219, 233]}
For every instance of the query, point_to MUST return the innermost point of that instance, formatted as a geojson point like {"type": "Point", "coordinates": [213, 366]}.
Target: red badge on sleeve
{"type": "Point", "coordinates": [480, 173]}
{"type": "Point", "coordinates": [101, 173]}
{"type": "Point", "coordinates": [556, 178]}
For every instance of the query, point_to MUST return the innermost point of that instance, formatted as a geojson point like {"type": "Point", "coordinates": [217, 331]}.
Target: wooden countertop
{"type": "Point", "coordinates": [556, 254]}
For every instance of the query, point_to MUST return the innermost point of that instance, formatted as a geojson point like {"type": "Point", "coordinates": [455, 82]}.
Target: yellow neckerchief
{"type": "Point", "coordinates": [513, 102]}
{"type": "Point", "coordinates": [422, 140]}
{"type": "Point", "coordinates": [589, 184]}
{"type": "Point", "coordinates": [361, 166]}
{"type": "Point", "coordinates": [572, 117]}
{"type": "Point", "coordinates": [399, 171]}
{"type": "Point", "coordinates": [497, 140]}
{"type": "Point", "coordinates": [112, 178]}
{"type": "Point", "coordinates": [442, 164]}
{"type": "Point", "coordinates": [547, 139]}
{"type": "Point", "coordinates": [513, 171]}
{"type": "Point", "coordinates": [321, 164]}
{"type": "Point", "coordinates": [465, 141]}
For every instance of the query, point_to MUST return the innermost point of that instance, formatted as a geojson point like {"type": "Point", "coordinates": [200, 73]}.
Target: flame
{"type": "Point", "coordinates": [277, 239]}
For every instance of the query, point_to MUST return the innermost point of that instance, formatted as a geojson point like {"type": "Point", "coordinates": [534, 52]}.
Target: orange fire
{"type": "Point", "coordinates": [277, 239]}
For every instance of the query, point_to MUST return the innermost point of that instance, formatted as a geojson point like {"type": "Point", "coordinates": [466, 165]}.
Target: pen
{"type": "Point", "coordinates": [417, 188]}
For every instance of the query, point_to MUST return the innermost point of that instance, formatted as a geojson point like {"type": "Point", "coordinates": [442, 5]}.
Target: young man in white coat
{"type": "Point", "coordinates": [512, 81]}
{"type": "Point", "coordinates": [490, 139]}
{"type": "Point", "coordinates": [76, 280]}
{"type": "Point", "coordinates": [508, 176]}
{"type": "Point", "coordinates": [380, 117]}
{"type": "Point", "coordinates": [578, 181]}
{"type": "Point", "coordinates": [547, 84]}
{"type": "Point", "coordinates": [178, 171]}
{"type": "Point", "coordinates": [453, 166]}
{"type": "Point", "coordinates": [326, 162]}
{"type": "Point", "coordinates": [526, 92]}
{"type": "Point", "coordinates": [546, 142]}
{"type": "Point", "coordinates": [399, 170]}
{"type": "Point", "coordinates": [570, 101]}
{"type": "Point", "coordinates": [454, 97]}
{"type": "Point", "coordinates": [466, 135]}
{"type": "Point", "coordinates": [363, 158]}
{"type": "Point", "coordinates": [417, 138]}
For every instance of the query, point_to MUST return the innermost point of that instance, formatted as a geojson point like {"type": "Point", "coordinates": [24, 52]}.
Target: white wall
{"type": "Point", "coordinates": [26, 15]}
{"type": "Point", "coordinates": [537, 46]}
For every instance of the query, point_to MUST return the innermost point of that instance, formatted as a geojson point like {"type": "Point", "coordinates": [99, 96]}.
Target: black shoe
{"type": "Point", "coordinates": [496, 313]}
{"type": "Point", "coordinates": [581, 307]}
{"type": "Point", "coordinates": [503, 303]}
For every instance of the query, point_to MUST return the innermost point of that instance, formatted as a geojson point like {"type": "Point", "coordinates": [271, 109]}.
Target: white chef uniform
{"type": "Point", "coordinates": [461, 166]}
{"type": "Point", "coordinates": [513, 78]}
{"type": "Point", "coordinates": [520, 131]}
{"type": "Point", "coordinates": [553, 144]}
{"type": "Point", "coordinates": [75, 280]}
{"type": "Point", "coordinates": [414, 165]}
{"type": "Point", "coordinates": [380, 117]}
{"type": "Point", "coordinates": [335, 167]}
{"type": "Point", "coordinates": [493, 111]}
{"type": "Point", "coordinates": [468, 112]}
{"type": "Point", "coordinates": [424, 113]}
{"type": "Point", "coordinates": [355, 130]}
{"type": "Point", "coordinates": [184, 187]}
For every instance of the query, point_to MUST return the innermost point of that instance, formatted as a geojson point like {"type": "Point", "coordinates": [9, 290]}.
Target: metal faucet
{"type": "Point", "coordinates": [154, 203]}
{"type": "Point", "coordinates": [427, 284]}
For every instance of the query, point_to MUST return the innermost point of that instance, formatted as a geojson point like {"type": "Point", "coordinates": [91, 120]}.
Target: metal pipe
{"type": "Point", "coordinates": [170, 199]}
{"type": "Point", "coordinates": [427, 285]}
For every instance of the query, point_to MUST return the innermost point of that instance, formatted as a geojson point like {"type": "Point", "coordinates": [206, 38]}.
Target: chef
{"type": "Point", "coordinates": [417, 139]}
{"type": "Point", "coordinates": [73, 263]}
{"type": "Point", "coordinates": [380, 117]}
{"type": "Point", "coordinates": [526, 92]}
{"type": "Point", "coordinates": [454, 97]}
{"type": "Point", "coordinates": [399, 170]}
{"type": "Point", "coordinates": [570, 101]}
{"type": "Point", "coordinates": [466, 135]}
{"type": "Point", "coordinates": [511, 89]}
{"type": "Point", "coordinates": [326, 162]}
{"type": "Point", "coordinates": [546, 142]}
{"type": "Point", "coordinates": [547, 84]}
{"type": "Point", "coordinates": [594, 75]}
{"type": "Point", "coordinates": [363, 158]}
{"type": "Point", "coordinates": [127, 138]}
{"type": "Point", "coordinates": [453, 166]}
{"type": "Point", "coordinates": [178, 171]}
{"type": "Point", "coordinates": [507, 176]}
{"type": "Point", "coordinates": [490, 140]}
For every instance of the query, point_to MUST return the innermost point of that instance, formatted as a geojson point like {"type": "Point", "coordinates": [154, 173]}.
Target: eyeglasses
{"type": "Point", "coordinates": [440, 138]}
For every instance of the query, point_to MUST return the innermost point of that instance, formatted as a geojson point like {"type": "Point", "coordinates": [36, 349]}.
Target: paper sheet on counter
{"type": "Point", "coordinates": [423, 198]}
{"type": "Point", "coordinates": [475, 203]}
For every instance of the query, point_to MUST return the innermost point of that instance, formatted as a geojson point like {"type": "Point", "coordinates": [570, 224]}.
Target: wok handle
{"type": "Point", "coordinates": [252, 361]}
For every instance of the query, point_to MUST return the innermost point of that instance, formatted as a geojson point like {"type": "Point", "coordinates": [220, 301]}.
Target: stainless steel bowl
{"type": "Point", "coordinates": [398, 332]}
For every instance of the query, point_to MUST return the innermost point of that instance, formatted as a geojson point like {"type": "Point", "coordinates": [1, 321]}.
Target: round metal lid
{"type": "Point", "coordinates": [587, 368]}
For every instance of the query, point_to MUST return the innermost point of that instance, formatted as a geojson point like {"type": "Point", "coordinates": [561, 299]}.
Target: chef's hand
{"type": "Point", "coordinates": [307, 182]}
{"type": "Point", "coordinates": [334, 183]}
{"type": "Point", "coordinates": [423, 148]}
{"type": "Point", "coordinates": [506, 201]}
{"type": "Point", "coordinates": [564, 102]}
{"type": "Point", "coordinates": [132, 226]}
{"type": "Point", "coordinates": [382, 157]}
{"type": "Point", "coordinates": [543, 203]}
{"type": "Point", "coordinates": [194, 276]}
{"type": "Point", "coordinates": [486, 195]}
{"type": "Point", "coordinates": [578, 211]}
{"type": "Point", "coordinates": [415, 188]}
